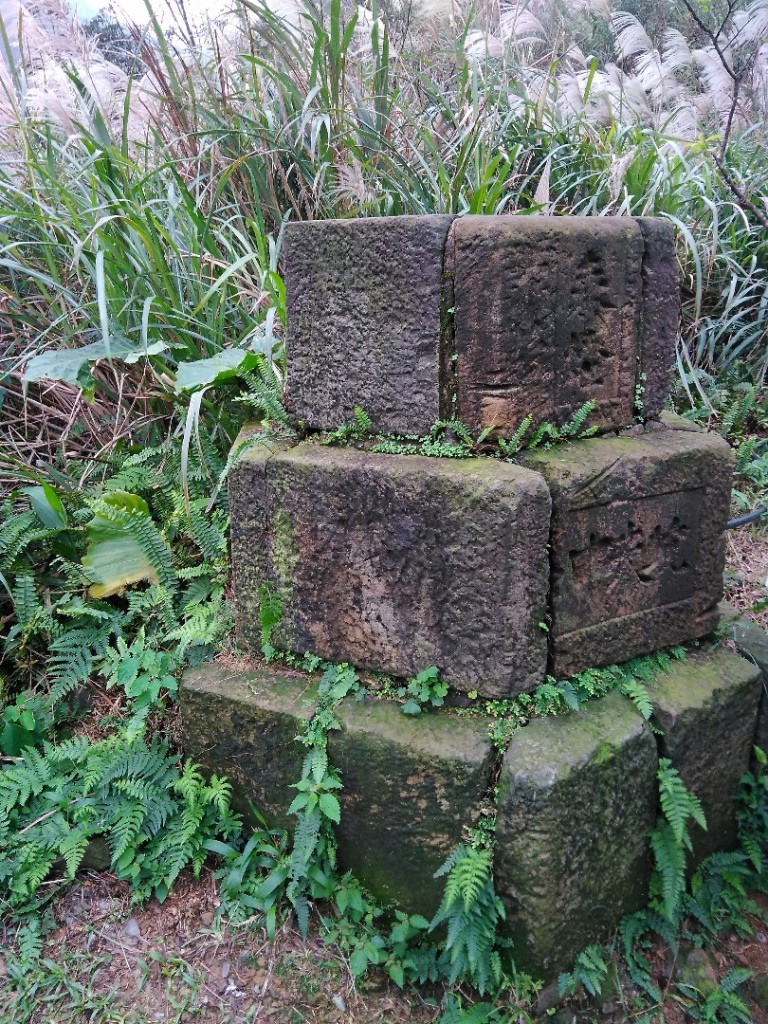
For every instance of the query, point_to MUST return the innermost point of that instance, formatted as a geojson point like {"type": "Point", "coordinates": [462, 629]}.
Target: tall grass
{"type": "Point", "coordinates": [156, 256]}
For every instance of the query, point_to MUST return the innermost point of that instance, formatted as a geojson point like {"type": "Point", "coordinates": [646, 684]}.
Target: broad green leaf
{"type": "Point", "coordinates": [225, 365]}
{"type": "Point", "coordinates": [114, 558]}
{"type": "Point", "coordinates": [67, 363]}
{"type": "Point", "coordinates": [411, 708]}
{"type": "Point", "coordinates": [417, 921]}
{"type": "Point", "coordinates": [358, 962]}
{"type": "Point", "coordinates": [396, 973]}
{"type": "Point", "coordinates": [47, 505]}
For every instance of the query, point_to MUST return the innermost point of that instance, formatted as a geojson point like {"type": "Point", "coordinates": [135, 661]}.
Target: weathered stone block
{"type": "Point", "coordinates": [752, 642]}
{"type": "Point", "coordinates": [553, 311]}
{"type": "Point", "coordinates": [577, 799]}
{"type": "Point", "coordinates": [396, 563]}
{"type": "Point", "coordinates": [411, 785]}
{"type": "Point", "coordinates": [637, 544]}
{"type": "Point", "coordinates": [504, 316]}
{"type": "Point", "coordinates": [243, 724]}
{"type": "Point", "coordinates": [660, 317]}
{"type": "Point", "coordinates": [706, 707]}
{"type": "Point", "coordinates": [365, 321]}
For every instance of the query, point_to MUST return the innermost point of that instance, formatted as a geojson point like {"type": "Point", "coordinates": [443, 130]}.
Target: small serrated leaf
{"type": "Point", "coordinates": [330, 807]}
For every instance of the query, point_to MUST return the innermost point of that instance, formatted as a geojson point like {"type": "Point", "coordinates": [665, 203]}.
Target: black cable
{"type": "Point", "coordinates": [750, 517]}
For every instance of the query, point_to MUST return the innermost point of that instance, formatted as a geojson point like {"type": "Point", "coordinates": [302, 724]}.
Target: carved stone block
{"type": "Point", "coordinates": [243, 724]}
{"type": "Point", "coordinates": [483, 319]}
{"type": "Point", "coordinates": [365, 321]}
{"type": "Point", "coordinates": [637, 544]}
{"type": "Point", "coordinates": [411, 788]}
{"type": "Point", "coordinates": [577, 799]}
{"type": "Point", "coordinates": [706, 708]}
{"type": "Point", "coordinates": [551, 312]}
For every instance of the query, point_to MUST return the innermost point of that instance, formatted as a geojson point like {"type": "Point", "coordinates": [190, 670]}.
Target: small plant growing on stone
{"type": "Point", "coordinates": [424, 689]}
{"type": "Point", "coordinates": [270, 614]}
{"type": "Point", "coordinates": [471, 912]}
{"type": "Point", "coordinates": [639, 403]}
{"type": "Point", "coordinates": [356, 429]}
{"type": "Point", "coordinates": [589, 970]}
{"type": "Point", "coordinates": [670, 840]}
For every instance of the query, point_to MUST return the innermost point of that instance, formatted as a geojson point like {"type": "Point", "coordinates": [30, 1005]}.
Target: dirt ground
{"type": "Point", "coordinates": [108, 962]}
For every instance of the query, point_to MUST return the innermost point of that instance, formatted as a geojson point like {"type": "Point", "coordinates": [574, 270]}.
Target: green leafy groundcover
{"type": "Point", "coordinates": [156, 818]}
{"type": "Point", "coordinates": [159, 817]}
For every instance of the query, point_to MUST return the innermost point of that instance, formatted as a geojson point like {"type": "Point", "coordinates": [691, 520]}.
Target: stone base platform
{"type": "Point", "coordinates": [576, 794]}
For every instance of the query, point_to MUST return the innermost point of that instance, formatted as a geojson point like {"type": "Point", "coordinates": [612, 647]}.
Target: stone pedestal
{"type": "Point", "coordinates": [576, 556]}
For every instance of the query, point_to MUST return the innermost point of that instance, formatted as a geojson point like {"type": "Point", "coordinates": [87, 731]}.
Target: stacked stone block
{"type": "Point", "coordinates": [482, 319]}
{"type": "Point", "coordinates": [636, 543]}
{"type": "Point", "coordinates": [494, 571]}
{"type": "Point", "coordinates": [395, 563]}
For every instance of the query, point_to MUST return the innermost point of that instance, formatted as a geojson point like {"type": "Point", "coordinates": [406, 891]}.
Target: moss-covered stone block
{"type": "Point", "coordinates": [752, 642]}
{"type": "Point", "coordinates": [244, 724]}
{"type": "Point", "coordinates": [411, 785]}
{"type": "Point", "coordinates": [365, 321]}
{"type": "Point", "coordinates": [706, 708]}
{"type": "Point", "coordinates": [396, 563]}
{"type": "Point", "coordinates": [577, 799]}
{"type": "Point", "coordinates": [551, 312]}
{"type": "Point", "coordinates": [637, 543]}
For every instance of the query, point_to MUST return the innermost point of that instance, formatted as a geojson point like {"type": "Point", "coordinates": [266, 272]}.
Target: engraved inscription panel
{"type": "Point", "coordinates": [546, 318]}
{"type": "Point", "coordinates": [621, 558]}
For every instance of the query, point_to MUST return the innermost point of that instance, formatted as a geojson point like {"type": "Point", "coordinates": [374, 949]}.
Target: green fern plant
{"type": "Point", "coordinates": [671, 842]}
{"type": "Point", "coordinates": [723, 1005]}
{"type": "Point", "coordinates": [155, 817]}
{"type": "Point", "coordinates": [512, 445]}
{"type": "Point", "coordinates": [590, 970]}
{"type": "Point", "coordinates": [471, 912]}
{"type": "Point", "coordinates": [357, 429]}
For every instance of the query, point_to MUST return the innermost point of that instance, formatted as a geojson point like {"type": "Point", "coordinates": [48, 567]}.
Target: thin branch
{"type": "Point", "coordinates": [713, 37]}
{"type": "Point", "coordinates": [731, 115]}
{"type": "Point", "coordinates": [740, 194]}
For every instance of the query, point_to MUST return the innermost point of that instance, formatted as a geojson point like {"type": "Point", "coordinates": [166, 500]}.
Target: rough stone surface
{"type": "Point", "coordinates": [637, 543]}
{"type": "Point", "coordinates": [577, 798]}
{"type": "Point", "coordinates": [660, 314]}
{"type": "Point", "coordinates": [553, 311]}
{"type": "Point", "coordinates": [410, 786]}
{"type": "Point", "coordinates": [696, 968]}
{"type": "Point", "coordinates": [243, 724]}
{"type": "Point", "coordinates": [706, 707]}
{"type": "Point", "coordinates": [365, 316]}
{"type": "Point", "coordinates": [752, 642]}
{"type": "Point", "coordinates": [397, 563]}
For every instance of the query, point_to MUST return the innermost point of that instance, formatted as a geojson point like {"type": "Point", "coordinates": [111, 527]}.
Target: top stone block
{"type": "Point", "coordinates": [364, 321]}
{"type": "Point", "coordinates": [551, 312]}
{"type": "Point", "coordinates": [483, 319]}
